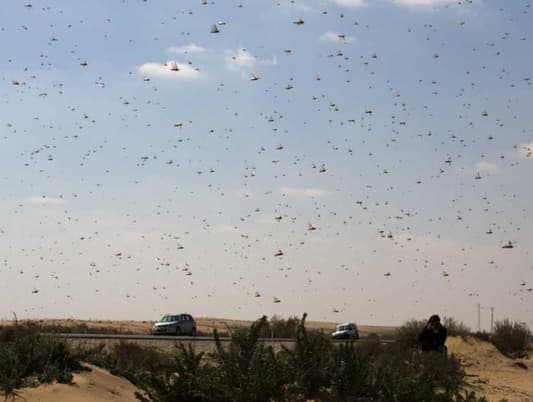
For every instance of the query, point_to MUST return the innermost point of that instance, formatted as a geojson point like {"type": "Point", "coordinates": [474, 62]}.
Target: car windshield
{"type": "Point", "coordinates": [169, 318]}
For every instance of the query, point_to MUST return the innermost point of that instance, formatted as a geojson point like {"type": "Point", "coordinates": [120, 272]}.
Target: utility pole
{"type": "Point", "coordinates": [479, 317]}
{"type": "Point", "coordinates": [491, 319]}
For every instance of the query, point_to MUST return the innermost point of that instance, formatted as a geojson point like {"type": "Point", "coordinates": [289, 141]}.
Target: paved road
{"type": "Point", "coordinates": [142, 337]}
{"type": "Point", "coordinates": [137, 337]}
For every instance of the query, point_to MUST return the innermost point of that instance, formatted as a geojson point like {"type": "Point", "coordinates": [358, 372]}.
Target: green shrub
{"type": "Point", "coordinates": [187, 381]}
{"type": "Point", "coordinates": [409, 375]}
{"type": "Point", "coordinates": [350, 372]}
{"type": "Point", "coordinates": [11, 371]}
{"type": "Point", "coordinates": [129, 360]}
{"type": "Point", "coordinates": [407, 334]}
{"type": "Point", "coordinates": [246, 368]}
{"type": "Point", "coordinates": [307, 362]}
{"type": "Point", "coordinates": [511, 338]}
{"type": "Point", "coordinates": [28, 358]}
{"type": "Point", "coordinates": [370, 348]}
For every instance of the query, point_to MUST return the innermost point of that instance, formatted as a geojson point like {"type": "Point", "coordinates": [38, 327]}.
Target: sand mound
{"type": "Point", "coordinates": [96, 385]}
{"type": "Point", "coordinates": [490, 373]}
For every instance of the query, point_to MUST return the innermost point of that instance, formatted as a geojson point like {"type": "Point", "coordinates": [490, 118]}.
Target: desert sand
{"type": "Point", "coordinates": [96, 385]}
{"type": "Point", "coordinates": [491, 374]}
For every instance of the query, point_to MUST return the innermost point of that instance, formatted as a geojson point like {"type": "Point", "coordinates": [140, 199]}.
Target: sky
{"type": "Point", "coordinates": [358, 160]}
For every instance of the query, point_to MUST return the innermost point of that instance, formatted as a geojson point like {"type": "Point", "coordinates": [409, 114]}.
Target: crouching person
{"type": "Point", "coordinates": [433, 336]}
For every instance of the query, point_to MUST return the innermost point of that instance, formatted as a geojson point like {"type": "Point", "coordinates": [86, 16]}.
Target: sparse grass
{"type": "Point", "coordinates": [513, 339]}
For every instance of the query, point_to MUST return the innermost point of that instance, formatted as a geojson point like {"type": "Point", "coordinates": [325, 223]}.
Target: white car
{"type": "Point", "coordinates": [346, 331]}
{"type": "Point", "coordinates": [175, 324]}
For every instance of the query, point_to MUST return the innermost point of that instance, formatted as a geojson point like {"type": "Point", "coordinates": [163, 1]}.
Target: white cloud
{"type": "Point", "coordinates": [191, 48]}
{"type": "Point", "coordinates": [526, 150]}
{"type": "Point", "coordinates": [171, 70]}
{"type": "Point", "coordinates": [487, 167]}
{"type": "Point", "coordinates": [242, 59]}
{"type": "Point", "coordinates": [349, 3]}
{"type": "Point", "coordinates": [44, 200]}
{"type": "Point", "coordinates": [303, 191]}
{"type": "Point", "coordinates": [336, 37]}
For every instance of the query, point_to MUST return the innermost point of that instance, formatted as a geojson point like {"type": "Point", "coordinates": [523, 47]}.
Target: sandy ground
{"type": "Point", "coordinates": [96, 385]}
{"type": "Point", "coordinates": [491, 374]}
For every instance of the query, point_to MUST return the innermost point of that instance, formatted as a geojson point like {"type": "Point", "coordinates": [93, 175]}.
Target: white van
{"type": "Point", "coordinates": [346, 331]}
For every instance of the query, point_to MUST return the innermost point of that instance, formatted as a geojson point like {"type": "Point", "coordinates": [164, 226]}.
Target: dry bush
{"type": "Point", "coordinates": [278, 327]}
{"type": "Point", "coordinates": [455, 327]}
{"type": "Point", "coordinates": [513, 339]}
{"type": "Point", "coordinates": [482, 335]}
{"type": "Point", "coordinates": [407, 334]}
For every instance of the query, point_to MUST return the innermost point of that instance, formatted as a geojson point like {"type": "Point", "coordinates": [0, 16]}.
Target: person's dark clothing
{"type": "Point", "coordinates": [430, 340]}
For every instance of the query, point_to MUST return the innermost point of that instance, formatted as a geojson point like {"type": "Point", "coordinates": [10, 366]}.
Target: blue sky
{"type": "Point", "coordinates": [131, 190]}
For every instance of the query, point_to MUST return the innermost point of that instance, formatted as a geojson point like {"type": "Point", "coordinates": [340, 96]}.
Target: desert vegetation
{"type": "Point", "coordinates": [28, 358]}
{"type": "Point", "coordinates": [314, 368]}
{"type": "Point", "coordinates": [513, 339]}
